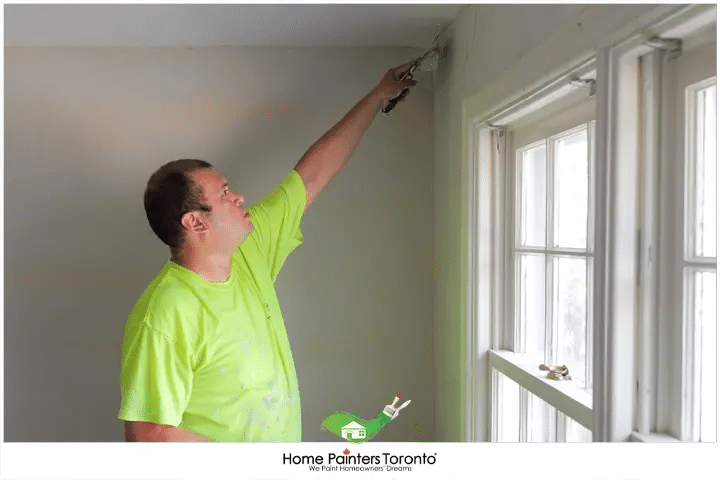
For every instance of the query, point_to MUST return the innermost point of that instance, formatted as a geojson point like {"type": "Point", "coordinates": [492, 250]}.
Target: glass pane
{"type": "Point", "coordinates": [706, 319]}
{"type": "Point", "coordinates": [543, 421]}
{"type": "Point", "coordinates": [532, 197]}
{"type": "Point", "coordinates": [540, 420]}
{"type": "Point", "coordinates": [531, 298]}
{"type": "Point", "coordinates": [570, 310]}
{"type": "Point", "coordinates": [508, 408]}
{"type": "Point", "coordinates": [571, 195]}
{"type": "Point", "coordinates": [705, 173]}
{"type": "Point", "coordinates": [574, 432]}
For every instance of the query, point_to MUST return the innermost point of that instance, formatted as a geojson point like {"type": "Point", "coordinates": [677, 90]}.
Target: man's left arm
{"type": "Point", "coordinates": [326, 157]}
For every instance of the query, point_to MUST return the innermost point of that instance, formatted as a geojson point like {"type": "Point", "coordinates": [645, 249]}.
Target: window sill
{"type": "Point", "coordinates": [565, 395]}
{"type": "Point", "coordinates": [653, 438]}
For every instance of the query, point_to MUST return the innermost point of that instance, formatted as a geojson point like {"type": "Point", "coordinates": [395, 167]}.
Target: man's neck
{"type": "Point", "coordinates": [213, 267]}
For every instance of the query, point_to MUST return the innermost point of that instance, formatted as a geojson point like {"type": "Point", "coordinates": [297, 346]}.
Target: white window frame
{"type": "Point", "coordinates": [691, 388]}
{"type": "Point", "coordinates": [656, 395]}
{"type": "Point", "coordinates": [566, 397]}
{"type": "Point", "coordinates": [619, 393]}
{"type": "Point", "coordinates": [676, 398]}
{"type": "Point", "coordinates": [588, 125]}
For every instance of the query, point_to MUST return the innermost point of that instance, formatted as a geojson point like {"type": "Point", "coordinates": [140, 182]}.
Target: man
{"type": "Point", "coordinates": [206, 355]}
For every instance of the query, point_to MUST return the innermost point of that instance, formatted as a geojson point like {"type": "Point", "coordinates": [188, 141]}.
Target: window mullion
{"type": "Point", "coordinates": [550, 326]}
{"type": "Point", "coordinates": [518, 342]}
{"type": "Point", "coordinates": [560, 424]}
{"type": "Point", "coordinates": [509, 281]}
{"type": "Point", "coordinates": [524, 414]}
{"type": "Point", "coordinates": [589, 261]}
{"type": "Point", "coordinates": [495, 417]}
{"type": "Point", "coordinates": [690, 394]}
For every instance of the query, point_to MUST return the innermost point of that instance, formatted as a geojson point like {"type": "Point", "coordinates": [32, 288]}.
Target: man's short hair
{"type": "Point", "coordinates": [169, 195]}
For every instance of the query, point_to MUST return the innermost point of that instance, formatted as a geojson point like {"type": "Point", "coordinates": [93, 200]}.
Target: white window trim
{"type": "Point", "coordinates": [690, 426]}
{"type": "Point", "coordinates": [587, 125]}
{"type": "Point", "coordinates": [495, 198]}
{"type": "Point", "coordinates": [569, 399]}
{"type": "Point", "coordinates": [614, 335]}
{"type": "Point", "coordinates": [653, 438]}
{"type": "Point", "coordinates": [612, 407]}
{"type": "Point", "coordinates": [617, 68]}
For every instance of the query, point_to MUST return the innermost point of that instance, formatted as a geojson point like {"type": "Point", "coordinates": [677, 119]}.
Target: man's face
{"type": "Point", "coordinates": [229, 222]}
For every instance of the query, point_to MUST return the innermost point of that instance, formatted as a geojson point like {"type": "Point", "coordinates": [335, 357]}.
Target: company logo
{"type": "Point", "coordinates": [356, 430]}
{"type": "Point", "coordinates": [385, 462]}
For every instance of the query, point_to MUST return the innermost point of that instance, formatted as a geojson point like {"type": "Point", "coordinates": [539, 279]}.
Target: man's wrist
{"type": "Point", "coordinates": [377, 99]}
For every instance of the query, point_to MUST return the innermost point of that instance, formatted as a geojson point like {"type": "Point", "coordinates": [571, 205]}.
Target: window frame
{"type": "Point", "coordinates": [665, 403]}
{"type": "Point", "coordinates": [691, 265]}
{"type": "Point", "coordinates": [569, 399]}
{"type": "Point", "coordinates": [563, 130]}
{"type": "Point", "coordinates": [617, 393]}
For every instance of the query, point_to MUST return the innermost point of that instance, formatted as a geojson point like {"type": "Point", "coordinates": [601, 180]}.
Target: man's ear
{"type": "Point", "coordinates": [194, 222]}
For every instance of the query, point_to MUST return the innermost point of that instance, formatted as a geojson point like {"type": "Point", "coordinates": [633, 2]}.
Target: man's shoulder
{"type": "Point", "coordinates": [289, 194]}
{"type": "Point", "coordinates": [168, 289]}
{"type": "Point", "coordinates": [165, 303]}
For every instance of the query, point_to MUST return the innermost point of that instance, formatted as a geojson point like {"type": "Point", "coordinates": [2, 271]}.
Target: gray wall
{"type": "Point", "coordinates": [85, 128]}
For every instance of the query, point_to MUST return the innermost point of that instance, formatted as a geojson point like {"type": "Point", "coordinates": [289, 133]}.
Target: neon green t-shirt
{"type": "Point", "coordinates": [214, 358]}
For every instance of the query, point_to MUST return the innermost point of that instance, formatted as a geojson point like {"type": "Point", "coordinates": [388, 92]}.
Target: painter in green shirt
{"type": "Point", "coordinates": [205, 355]}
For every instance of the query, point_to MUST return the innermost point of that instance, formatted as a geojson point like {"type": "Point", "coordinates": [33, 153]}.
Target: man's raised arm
{"type": "Point", "coordinates": [326, 157]}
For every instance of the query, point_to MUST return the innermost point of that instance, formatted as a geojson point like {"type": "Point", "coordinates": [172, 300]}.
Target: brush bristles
{"type": "Point", "coordinates": [430, 61]}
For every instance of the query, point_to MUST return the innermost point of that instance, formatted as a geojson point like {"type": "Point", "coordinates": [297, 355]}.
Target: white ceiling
{"type": "Point", "coordinates": [311, 25]}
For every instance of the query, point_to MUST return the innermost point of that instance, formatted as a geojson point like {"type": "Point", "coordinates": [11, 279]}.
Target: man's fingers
{"type": "Point", "coordinates": [402, 69]}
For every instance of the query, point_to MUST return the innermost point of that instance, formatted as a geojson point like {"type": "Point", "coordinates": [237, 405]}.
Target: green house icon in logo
{"type": "Point", "coordinates": [353, 431]}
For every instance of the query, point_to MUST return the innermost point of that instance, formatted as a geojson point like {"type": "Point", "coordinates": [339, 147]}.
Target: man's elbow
{"type": "Point", "coordinates": [135, 431]}
{"type": "Point", "coordinates": [154, 432]}
{"type": "Point", "coordinates": [145, 432]}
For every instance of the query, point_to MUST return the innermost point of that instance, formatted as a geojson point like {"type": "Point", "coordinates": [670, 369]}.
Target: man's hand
{"type": "Point", "coordinates": [391, 84]}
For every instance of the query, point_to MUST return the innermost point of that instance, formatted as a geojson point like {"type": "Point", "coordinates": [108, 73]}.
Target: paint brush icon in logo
{"type": "Point", "coordinates": [355, 429]}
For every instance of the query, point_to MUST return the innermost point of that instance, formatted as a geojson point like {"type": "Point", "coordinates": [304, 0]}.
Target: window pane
{"type": "Point", "coordinates": [574, 432]}
{"type": "Point", "coordinates": [543, 422]}
{"type": "Point", "coordinates": [508, 408]}
{"type": "Point", "coordinates": [705, 173]}
{"type": "Point", "coordinates": [570, 309]}
{"type": "Point", "coordinates": [571, 195]}
{"type": "Point", "coordinates": [706, 319]}
{"type": "Point", "coordinates": [533, 197]}
{"type": "Point", "coordinates": [540, 420]}
{"type": "Point", "coordinates": [531, 297]}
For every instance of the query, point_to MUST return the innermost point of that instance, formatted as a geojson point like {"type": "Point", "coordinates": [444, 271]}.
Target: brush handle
{"type": "Point", "coordinates": [391, 104]}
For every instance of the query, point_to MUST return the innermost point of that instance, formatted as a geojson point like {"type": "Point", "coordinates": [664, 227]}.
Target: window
{"type": "Point", "coordinates": [547, 285]}
{"type": "Point", "coordinates": [552, 258]}
{"type": "Point", "coordinates": [701, 258]}
{"type": "Point", "coordinates": [687, 267]}
{"type": "Point", "coordinates": [593, 245]}
{"type": "Point", "coordinates": [524, 417]}
{"type": "Point", "coordinates": [700, 263]}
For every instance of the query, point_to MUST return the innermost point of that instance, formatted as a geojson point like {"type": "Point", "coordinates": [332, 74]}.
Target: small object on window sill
{"type": "Point", "coordinates": [557, 372]}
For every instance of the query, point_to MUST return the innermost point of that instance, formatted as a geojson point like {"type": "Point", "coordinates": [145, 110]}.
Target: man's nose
{"type": "Point", "coordinates": [239, 199]}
